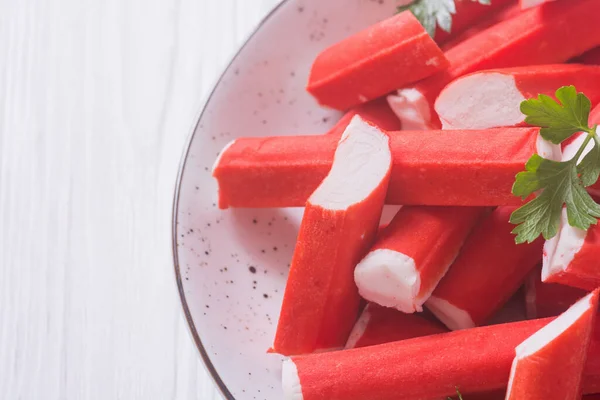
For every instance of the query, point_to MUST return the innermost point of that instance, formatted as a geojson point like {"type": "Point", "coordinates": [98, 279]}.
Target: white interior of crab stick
{"type": "Point", "coordinates": [362, 161]}
{"type": "Point", "coordinates": [359, 328]}
{"type": "Point", "coordinates": [450, 315]}
{"type": "Point", "coordinates": [290, 381]}
{"type": "Point", "coordinates": [390, 278]}
{"type": "Point", "coordinates": [480, 101]}
{"type": "Point", "coordinates": [548, 333]}
{"type": "Point", "coordinates": [562, 248]}
{"type": "Point", "coordinates": [412, 108]}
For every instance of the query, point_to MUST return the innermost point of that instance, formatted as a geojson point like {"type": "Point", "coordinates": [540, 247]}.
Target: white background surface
{"type": "Point", "coordinates": [96, 100]}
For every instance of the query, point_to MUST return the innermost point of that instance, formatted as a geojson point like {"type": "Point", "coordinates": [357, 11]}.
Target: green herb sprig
{"type": "Point", "coordinates": [433, 13]}
{"type": "Point", "coordinates": [558, 183]}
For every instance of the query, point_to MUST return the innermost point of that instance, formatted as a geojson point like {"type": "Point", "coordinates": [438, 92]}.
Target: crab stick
{"type": "Point", "coordinates": [388, 55]}
{"type": "Point", "coordinates": [341, 219]}
{"type": "Point", "coordinates": [488, 271]}
{"type": "Point", "coordinates": [548, 299]}
{"type": "Point", "coordinates": [549, 365]}
{"type": "Point", "coordinates": [492, 98]}
{"type": "Point", "coordinates": [431, 367]}
{"type": "Point", "coordinates": [376, 112]}
{"type": "Point", "coordinates": [412, 254]}
{"type": "Point", "coordinates": [468, 14]}
{"type": "Point", "coordinates": [523, 40]}
{"type": "Point", "coordinates": [459, 168]}
{"type": "Point", "coordinates": [378, 325]}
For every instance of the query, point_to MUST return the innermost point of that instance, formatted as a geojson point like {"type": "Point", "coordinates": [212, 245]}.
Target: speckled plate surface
{"type": "Point", "coordinates": [231, 265]}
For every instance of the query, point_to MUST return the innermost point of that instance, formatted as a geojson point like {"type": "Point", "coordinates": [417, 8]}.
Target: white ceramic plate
{"type": "Point", "coordinates": [231, 266]}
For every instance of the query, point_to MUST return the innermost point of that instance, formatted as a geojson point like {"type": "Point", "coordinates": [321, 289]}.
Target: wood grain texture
{"type": "Point", "coordinates": [96, 101]}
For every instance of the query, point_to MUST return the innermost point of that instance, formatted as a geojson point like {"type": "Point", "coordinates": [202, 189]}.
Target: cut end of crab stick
{"type": "Point", "coordinates": [378, 325]}
{"type": "Point", "coordinates": [391, 279]}
{"type": "Point", "coordinates": [341, 218]}
{"type": "Point", "coordinates": [412, 254]}
{"type": "Point", "coordinates": [548, 299]}
{"type": "Point", "coordinates": [550, 363]}
{"type": "Point", "coordinates": [525, 4]}
{"type": "Point", "coordinates": [374, 62]}
{"type": "Point", "coordinates": [290, 381]}
{"type": "Point", "coordinates": [471, 102]}
{"type": "Point", "coordinates": [449, 314]}
{"type": "Point", "coordinates": [571, 257]}
{"type": "Point", "coordinates": [362, 160]}
{"type": "Point", "coordinates": [412, 108]}
{"type": "Point", "coordinates": [490, 99]}
{"type": "Point", "coordinates": [488, 271]}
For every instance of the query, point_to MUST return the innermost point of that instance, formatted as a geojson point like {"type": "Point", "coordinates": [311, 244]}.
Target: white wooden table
{"type": "Point", "coordinates": [96, 100]}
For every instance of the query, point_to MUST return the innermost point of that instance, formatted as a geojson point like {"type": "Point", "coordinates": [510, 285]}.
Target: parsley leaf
{"type": "Point", "coordinates": [559, 121]}
{"type": "Point", "coordinates": [558, 183]}
{"type": "Point", "coordinates": [433, 13]}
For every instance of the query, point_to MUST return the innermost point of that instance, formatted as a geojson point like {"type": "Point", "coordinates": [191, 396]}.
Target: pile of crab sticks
{"type": "Point", "coordinates": [485, 134]}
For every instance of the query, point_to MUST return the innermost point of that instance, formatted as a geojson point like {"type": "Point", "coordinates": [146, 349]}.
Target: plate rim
{"type": "Point", "coordinates": [175, 209]}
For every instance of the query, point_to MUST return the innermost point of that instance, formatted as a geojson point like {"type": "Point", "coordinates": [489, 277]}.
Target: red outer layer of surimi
{"type": "Point", "coordinates": [341, 218]}
{"type": "Point", "coordinates": [378, 325]}
{"type": "Point", "coordinates": [374, 62]}
{"type": "Point", "coordinates": [488, 271]}
{"type": "Point", "coordinates": [548, 299]}
{"type": "Point", "coordinates": [468, 14]}
{"type": "Point", "coordinates": [461, 168]}
{"type": "Point", "coordinates": [522, 40]}
{"type": "Point", "coordinates": [412, 254]}
{"type": "Point", "coordinates": [431, 367]}
{"type": "Point", "coordinates": [549, 365]}
{"type": "Point", "coordinates": [377, 112]}
{"type": "Point", "coordinates": [462, 105]}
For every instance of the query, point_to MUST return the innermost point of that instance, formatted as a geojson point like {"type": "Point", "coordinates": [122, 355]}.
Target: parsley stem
{"type": "Point", "coordinates": [591, 133]}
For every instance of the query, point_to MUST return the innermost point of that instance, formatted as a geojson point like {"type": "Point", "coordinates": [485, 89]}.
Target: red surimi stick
{"type": "Point", "coordinates": [341, 218]}
{"type": "Point", "coordinates": [488, 271]}
{"type": "Point", "coordinates": [431, 367]}
{"type": "Point", "coordinates": [372, 63]}
{"type": "Point", "coordinates": [376, 112]}
{"type": "Point", "coordinates": [549, 365]}
{"type": "Point", "coordinates": [492, 98]}
{"type": "Point", "coordinates": [525, 4]}
{"type": "Point", "coordinates": [469, 13]}
{"type": "Point", "coordinates": [522, 40]}
{"type": "Point", "coordinates": [428, 167]}
{"type": "Point", "coordinates": [548, 299]}
{"type": "Point", "coordinates": [412, 254]}
{"type": "Point", "coordinates": [378, 325]}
